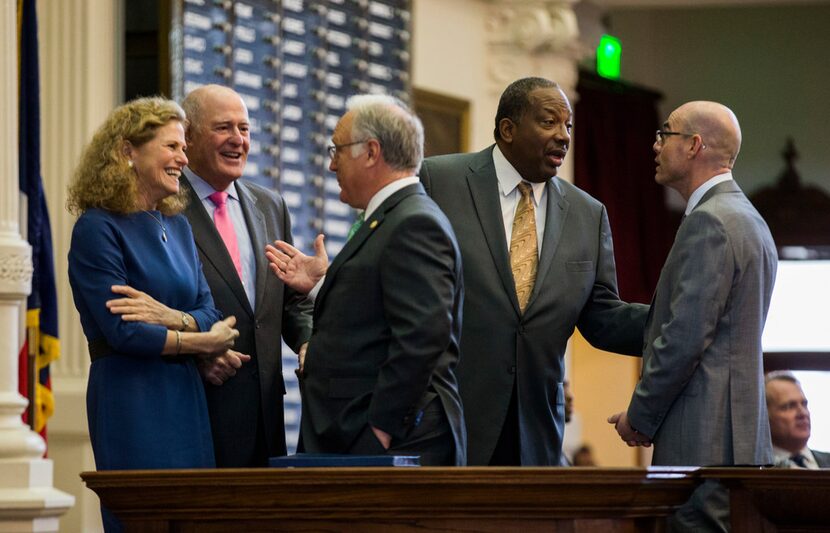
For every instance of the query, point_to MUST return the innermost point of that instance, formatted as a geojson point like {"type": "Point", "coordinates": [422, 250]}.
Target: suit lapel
{"type": "Point", "coordinates": [363, 234]}
{"type": "Point", "coordinates": [256, 229]}
{"type": "Point", "coordinates": [484, 189]}
{"type": "Point", "coordinates": [213, 249]}
{"type": "Point", "coordinates": [557, 213]}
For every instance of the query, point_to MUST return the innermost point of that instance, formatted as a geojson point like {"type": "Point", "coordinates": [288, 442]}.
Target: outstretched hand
{"type": "Point", "coordinates": [628, 434]}
{"type": "Point", "coordinates": [299, 271]}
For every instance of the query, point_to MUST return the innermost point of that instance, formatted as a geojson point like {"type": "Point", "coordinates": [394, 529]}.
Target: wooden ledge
{"type": "Point", "coordinates": [399, 498]}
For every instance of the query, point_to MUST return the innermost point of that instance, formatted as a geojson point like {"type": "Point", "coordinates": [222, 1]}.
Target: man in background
{"type": "Point", "coordinates": [700, 397]}
{"type": "Point", "coordinates": [789, 423]}
{"type": "Point", "coordinates": [232, 222]}
{"type": "Point", "coordinates": [538, 262]}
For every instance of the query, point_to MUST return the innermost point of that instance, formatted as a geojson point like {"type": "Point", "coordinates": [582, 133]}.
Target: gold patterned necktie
{"type": "Point", "coordinates": [524, 251]}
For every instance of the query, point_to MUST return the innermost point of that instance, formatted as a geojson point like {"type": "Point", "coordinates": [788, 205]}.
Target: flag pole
{"type": "Point", "coordinates": [32, 343]}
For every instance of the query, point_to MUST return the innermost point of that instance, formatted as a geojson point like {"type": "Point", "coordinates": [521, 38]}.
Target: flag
{"type": "Point", "coordinates": [42, 305]}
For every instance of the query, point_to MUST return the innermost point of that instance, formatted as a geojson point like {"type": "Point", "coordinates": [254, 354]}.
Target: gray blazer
{"type": "Point", "coordinates": [254, 397]}
{"type": "Point", "coordinates": [701, 392]}
{"type": "Point", "coordinates": [822, 458]}
{"type": "Point", "coordinates": [576, 286]}
{"type": "Point", "coordinates": [386, 328]}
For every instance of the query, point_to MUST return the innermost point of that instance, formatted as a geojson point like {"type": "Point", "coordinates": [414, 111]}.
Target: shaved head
{"type": "Point", "coordinates": [197, 102]}
{"type": "Point", "coordinates": [218, 134]}
{"type": "Point", "coordinates": [717, 125]}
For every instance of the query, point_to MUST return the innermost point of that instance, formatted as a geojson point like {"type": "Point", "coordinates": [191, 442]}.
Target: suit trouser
{"type": "Point", "coordinates": [707, 510]}
{"type": "Point", "coordinates": [431, 439]}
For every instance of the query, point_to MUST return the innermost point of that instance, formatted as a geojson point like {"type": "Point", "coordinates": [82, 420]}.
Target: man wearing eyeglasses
{"type": "Point", "coordinates": [700, 399]}
{"type": "Point", "coordinates": [379, 374]}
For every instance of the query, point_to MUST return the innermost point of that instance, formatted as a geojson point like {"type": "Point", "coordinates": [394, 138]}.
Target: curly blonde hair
{"type": "Point", "coordinates": [104, 178]}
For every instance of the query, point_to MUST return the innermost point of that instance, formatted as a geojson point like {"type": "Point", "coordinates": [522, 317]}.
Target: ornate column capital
{"type": "Point", "coordinates": [15, 268]}
{"type": "Point", "coordinates": [533, 26]}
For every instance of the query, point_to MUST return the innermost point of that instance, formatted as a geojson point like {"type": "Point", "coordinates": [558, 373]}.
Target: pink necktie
{"type": "Point", "coordinates": [224, 225]}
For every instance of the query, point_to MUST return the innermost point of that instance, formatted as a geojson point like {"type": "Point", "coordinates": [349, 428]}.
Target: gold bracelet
{"type": "Point", "coordinates": [178, 343]}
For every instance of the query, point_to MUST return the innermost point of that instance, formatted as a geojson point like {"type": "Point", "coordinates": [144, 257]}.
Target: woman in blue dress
{"type": "Point", "coordinates": [144, 304]}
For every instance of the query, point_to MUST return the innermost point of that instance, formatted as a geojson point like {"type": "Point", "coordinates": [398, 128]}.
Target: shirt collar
{"type": "Point", "coordinates": [782, 456]}
{"type": "Point", "coordinates": [386, 192]}
{"type": "Point", "coordinates": [696, 196]}
{"type": "Point", "coordinates": [509, 178]}
{"type": "Point", "coordinates": [204, 189]}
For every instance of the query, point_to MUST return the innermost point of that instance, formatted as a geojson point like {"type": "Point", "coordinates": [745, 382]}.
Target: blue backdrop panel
{"type": "Point", "coordinates": [295, 62]}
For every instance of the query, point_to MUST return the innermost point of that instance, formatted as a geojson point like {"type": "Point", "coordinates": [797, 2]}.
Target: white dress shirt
{"type": "Point", "coordinates": [246, 252]}
{"type": "Point", "coordinates": [782, 458]}
{"type": "Point", "coordinates": [694, 199]}
{"type": "Point", "coordinates": [371, 207]}
{"type": "Point", "coordinates": [509, 179]}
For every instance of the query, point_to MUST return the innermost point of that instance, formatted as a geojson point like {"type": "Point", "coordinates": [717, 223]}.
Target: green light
{"type": "Point", "coordinates": [608, 57]}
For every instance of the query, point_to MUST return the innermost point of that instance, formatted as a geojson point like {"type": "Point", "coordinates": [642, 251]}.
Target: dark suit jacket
{"type": "Point", "coordinates": [576, 285]}
{"type": "Point", "coordinates": [387, 322]}
{"type": "Point", "coordinates": [822, 458]}
{"type": "Point", "coordinates": [701, 394]}
{"type": "Point", "coordinates": [255, 395]}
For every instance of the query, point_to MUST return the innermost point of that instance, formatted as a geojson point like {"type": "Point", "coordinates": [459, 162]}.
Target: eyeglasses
{"type": "Point", "coordinates": [334, 148]}
{"type": "Point", "coordinates": [662, 134]}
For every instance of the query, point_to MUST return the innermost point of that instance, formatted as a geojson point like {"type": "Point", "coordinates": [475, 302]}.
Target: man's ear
{"type": "Point", "coordinates": [507, 128]}
{"type": "Point", "coordinates": [697, 145]}
{"type": "Point", "coordinates": [373, 152]}
{"type": "Point", "coordinates": [187, 131]}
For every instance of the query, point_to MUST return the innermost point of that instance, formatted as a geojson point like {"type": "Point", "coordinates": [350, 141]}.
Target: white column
{"type": "Point", "coordinates": [28, 502]}
{"type": "Point", "coordinates": [81, 82]}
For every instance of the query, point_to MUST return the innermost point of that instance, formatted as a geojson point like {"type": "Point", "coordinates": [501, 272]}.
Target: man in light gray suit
{"type": "Point", "coordinates": [507, 207]}
{"type": "Point", "coordinates": [700, 398]}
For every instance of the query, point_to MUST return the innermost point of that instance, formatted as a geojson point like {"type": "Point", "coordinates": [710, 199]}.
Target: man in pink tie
{"type": "Point", "coordinates": [232, 222]}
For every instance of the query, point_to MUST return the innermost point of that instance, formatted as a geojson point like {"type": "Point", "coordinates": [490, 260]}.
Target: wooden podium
{"type": "Point", "coordinates": [394, 499]}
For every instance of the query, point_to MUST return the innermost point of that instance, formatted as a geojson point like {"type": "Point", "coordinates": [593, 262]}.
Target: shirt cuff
{"type": "Point", "coordinates": [312, 294]}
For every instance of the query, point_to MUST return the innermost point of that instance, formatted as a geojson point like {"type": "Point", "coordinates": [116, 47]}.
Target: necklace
{"type": "Point", "coordinates": [163, 229]}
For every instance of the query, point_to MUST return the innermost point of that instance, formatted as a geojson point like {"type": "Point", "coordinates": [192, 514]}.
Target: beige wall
{"type": "Point", "coordinates": [769, 64]}
{"type": "Point", "coordinates": [449, 57]}
{"type": "Point", "coordinates": [601, 383]}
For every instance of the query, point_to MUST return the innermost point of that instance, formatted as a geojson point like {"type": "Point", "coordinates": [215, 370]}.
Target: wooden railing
{"type": "Point", "coordinates": [525, 500]}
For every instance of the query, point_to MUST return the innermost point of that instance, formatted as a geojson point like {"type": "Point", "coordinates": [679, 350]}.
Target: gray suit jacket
{"type": "Point", "coordinates": [387, 323]}
{"type": "Point", "coordinates": [254, 396]}
{"type": "Point", "coordinates": [701, 393]}
{"type": "Point", "coordinates": [822, 458]}
{"type": "Point", "coordinates": [576, 286]}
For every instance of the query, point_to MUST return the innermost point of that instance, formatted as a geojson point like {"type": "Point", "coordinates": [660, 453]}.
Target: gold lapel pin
{"type": "Point", "coordinates": [373, 224]}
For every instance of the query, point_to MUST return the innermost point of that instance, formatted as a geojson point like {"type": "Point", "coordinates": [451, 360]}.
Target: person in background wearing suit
{"type": "Point", "coordinates": [789, 423]}
{"type": "Point", "coordinates": [538, 262]}
{"type": "Point", "coordinates": [379, 375]}
{"type": "Point", "coordinates": [700, 398]}
{"type": "Point", "coordinates": [232, 222]}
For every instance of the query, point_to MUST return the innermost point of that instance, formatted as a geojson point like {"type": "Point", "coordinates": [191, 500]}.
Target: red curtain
{"type": "Point", "coordinates": [614, 125]}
